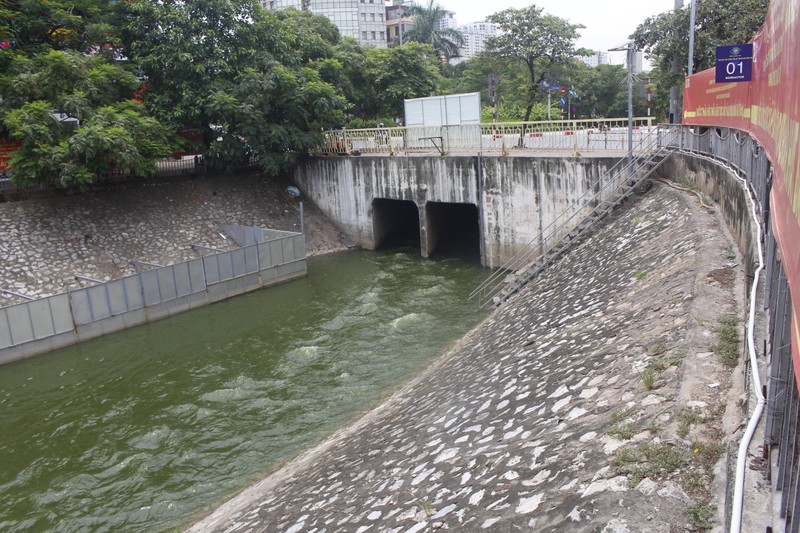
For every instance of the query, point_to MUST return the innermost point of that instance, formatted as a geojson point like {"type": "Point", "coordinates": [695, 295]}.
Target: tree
{"type": "Point", "coordinates": [34, 26]}
{"type": "Point", "coordinates": [540, 42]}
{"type": "Point", "coordinates": [427, 30]}
{"type": "Point", "coordinates": [666, 36]}
{"type": "Point", "coordinates": [394, 74]}
{"type": "Point", "coordinates": [257, 80]}
{"type": "Point", "coordinates": [75, 119]}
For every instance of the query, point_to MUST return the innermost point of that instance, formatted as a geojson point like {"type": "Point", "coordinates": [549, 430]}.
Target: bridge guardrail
{"type": "Point", "coordinates": [554, 135]}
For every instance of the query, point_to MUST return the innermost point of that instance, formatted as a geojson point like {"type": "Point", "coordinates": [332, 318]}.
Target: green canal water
{"type": "Point", "coordinates": [144, 429]}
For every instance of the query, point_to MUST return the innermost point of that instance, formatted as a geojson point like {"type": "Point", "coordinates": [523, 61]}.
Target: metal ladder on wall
{"type": "Point", "coordinates": [591, 208]}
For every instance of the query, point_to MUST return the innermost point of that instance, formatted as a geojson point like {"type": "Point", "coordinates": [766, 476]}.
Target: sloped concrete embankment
{"type": "Point", "coordinates": [542, 418]}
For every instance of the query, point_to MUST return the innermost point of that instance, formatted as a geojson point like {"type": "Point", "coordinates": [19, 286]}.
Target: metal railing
{"type": "Point", "coordinates": [187, 165]}
{"type": "Point", "coordinates": [605, 193]}
{"type": "Point", "coordinates": [575, 136]}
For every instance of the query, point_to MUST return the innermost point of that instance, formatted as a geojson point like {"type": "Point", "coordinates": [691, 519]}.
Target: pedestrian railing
{"type": "Point", "coordinates": [581, 215]}
{"type": "Point", "coordinates": [575, 136]}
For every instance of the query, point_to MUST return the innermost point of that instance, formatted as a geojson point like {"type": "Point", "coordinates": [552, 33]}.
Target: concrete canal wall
{"type": "Point", "coordinates": [516, 197]}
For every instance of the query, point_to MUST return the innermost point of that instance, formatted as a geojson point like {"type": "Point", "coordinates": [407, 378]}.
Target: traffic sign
{"type": "Point", "coordinates": [734, 63]}
{"type": "Point", "coordinates": [563, 89]}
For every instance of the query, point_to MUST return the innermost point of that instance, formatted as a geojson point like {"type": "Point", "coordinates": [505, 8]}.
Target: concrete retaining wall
{"type": "Point", "coordinates": [49, 323]}
{"type": "Point", "coordinates": [517, 197]}
{"type": "Point", "coordinates": [719, 184]}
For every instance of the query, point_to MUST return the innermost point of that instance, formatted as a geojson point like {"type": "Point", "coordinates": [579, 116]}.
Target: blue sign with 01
{"type": "Point", "coordinates": [734, 63]}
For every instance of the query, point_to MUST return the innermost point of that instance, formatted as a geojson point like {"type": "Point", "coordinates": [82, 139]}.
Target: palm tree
{"type": "Point", "coordinates": [427, 29]}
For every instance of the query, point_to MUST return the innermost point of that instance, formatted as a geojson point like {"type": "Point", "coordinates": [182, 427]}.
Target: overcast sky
{"type": "Point", "coordinates": [608, 22]}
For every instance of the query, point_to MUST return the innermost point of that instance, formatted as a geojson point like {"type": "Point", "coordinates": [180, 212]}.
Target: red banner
{"type": "Point", "coordinates": [768, 107]}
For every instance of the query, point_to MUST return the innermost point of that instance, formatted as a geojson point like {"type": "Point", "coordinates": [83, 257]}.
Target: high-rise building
{"type": "Point", "coordinates": [475, 35]}
{"type": "Point", "coordinates": [448, 21]}
{"type": "Point", "coordinates": [364, 20]}
{"type": "Point", "coordinates": [598, 58]}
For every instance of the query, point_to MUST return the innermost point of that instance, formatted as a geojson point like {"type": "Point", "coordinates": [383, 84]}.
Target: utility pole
{"type": "Point", "coordinates": [630, 49]}
{"type": "Point", "coordinates": [674, 111]}
{"type": "Point", "coordinates": [693, 11]}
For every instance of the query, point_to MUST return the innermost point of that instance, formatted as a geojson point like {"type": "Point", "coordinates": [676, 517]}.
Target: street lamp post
{"type": "Point", "coordinates": [693, 11]}
{"type": "Point", "coordinates": [631, 54]}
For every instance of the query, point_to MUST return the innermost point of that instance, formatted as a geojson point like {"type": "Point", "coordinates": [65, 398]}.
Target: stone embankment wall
{"type": "Point", "coordinates": [46, 242]}
{"type": "Point", "coordinates": [517, 197]}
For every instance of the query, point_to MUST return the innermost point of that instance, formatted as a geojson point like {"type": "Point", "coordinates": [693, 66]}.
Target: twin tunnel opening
{"type": "Point", "coordinates": [450, 229]}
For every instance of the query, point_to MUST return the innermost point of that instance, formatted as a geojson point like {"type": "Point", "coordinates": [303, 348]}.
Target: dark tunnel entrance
{"type": "Point", "coordinates": [395, 223]}
{"type": "Point", "coordinates": [453, 230]}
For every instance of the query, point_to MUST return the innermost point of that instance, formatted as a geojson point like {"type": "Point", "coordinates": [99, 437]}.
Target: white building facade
{"type": "Point", "coordinates": [364, 20]}
{"type": "Point", "coordinates": [599, 58]}
{"type": "Point", "coordinates": [475, 35]}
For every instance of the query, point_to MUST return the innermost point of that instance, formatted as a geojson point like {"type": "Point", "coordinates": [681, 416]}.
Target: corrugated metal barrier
{"type": "Point", "coordinates": [45, 324]}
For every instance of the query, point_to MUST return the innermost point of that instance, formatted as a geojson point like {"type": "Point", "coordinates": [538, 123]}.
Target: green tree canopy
{"type": "Point", "coordinates": [427, 30]}
{"type": "Point", "coordinates": [394, 74]}
{"type": "Point", "coordinates": [665, 37]}
{"type": "Point", "coordinates": [256, 82]}
{"type": "Point", "coordinates": [34, 26]}
{"type": "Point", "coordinates": [75, 119]}
{"type": "Point", "coordinates": [540, 42]}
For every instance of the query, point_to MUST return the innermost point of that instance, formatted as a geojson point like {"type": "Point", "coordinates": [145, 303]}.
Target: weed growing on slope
{"type": "Point", "coordinates": [661, 364]}
{"type": "Point", "coordinates": [728, 342]}
{"type": "Point", "coordinates": [649, 379]}
{"type": "Point", "coordinates": [649, 460]}
{"type": "Point", "coordinates": [686, 419]}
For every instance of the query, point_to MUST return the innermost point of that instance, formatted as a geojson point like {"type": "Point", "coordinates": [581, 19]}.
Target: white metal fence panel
{"type": "Point", "coordinates": [19, 320]}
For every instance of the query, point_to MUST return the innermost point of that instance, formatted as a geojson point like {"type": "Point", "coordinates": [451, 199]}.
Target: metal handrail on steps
{"type": "Point", "coordinates": [563, 226]}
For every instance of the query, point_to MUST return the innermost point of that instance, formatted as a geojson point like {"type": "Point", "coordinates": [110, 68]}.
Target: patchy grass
{"type": "Point", "coordinates": [640, 275]}
{"type": "Point", "coordinates": [637, 219]}
{"type": "Point", "coordinates": [649, 379]}
{"type": "Point", "coordinates": [728, 342]}
{"type": "Point", "coordinates": [648, 460]}
{"type": "Point", "coordinates": [657, 348]}
{"type": "Point", "coordinates": [664, 363]}
{"type": "Point", "coordinates": [701, 515]}
{"type": "Point", "coordinates": [622, 430]}
{"type": "Point", "coordinates": [622, 414]}
{"type": "Point", "coordinates": [426, 508]}
{"type": "Point", "coordinates": [706, 454]}
{"type": "Point", "coordinates": [686, 419]}
{"type": "Point", "coordinates": [652, 426]}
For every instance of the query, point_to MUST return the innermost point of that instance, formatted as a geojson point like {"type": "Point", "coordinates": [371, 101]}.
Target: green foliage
{"type": "Point", "coordinates": [257, 83]}
{"type": "Point", "coordinates": [118, 137]}
{"type": "Point", "coordinates": [72, 82]}
{"type": "Point", "coordinates": [542, 43]}
{"type": "Point", "coordinates": [728, 342]}
{"type": "Point", "coordinates": [73, 116]}
{"type": "Point", "coordinates": [665, 38]}
{"type": "Point", "coordinates": [394, 74]}
{"type": "Point", "coordinates": [427, 30]}
{"type": "Point", "coordinates": [37, 26]}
